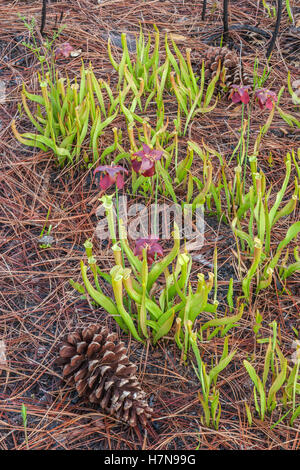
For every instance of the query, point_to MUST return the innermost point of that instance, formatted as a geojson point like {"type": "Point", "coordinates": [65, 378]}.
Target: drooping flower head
{"type": "Point", "coordinates": [295, 358]}
{"type": "Point", "coordinates": [240, 94]}
{"type": "Point", "coordinates": [265, 98]}
{"type": "Point", "coordinates": [296, 92]}
{"type": "Point", "coordinates": [110, 175]}
{"type": "Point", "coordinates": [152, 246]}
{"type": "Point", "coordinates": [144, 163]}
{"type": "Point", "coordinates": [63, 50]}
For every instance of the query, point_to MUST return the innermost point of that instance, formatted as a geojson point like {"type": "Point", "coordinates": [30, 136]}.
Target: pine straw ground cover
{"type": "Point", "coordinates": [38, 305]}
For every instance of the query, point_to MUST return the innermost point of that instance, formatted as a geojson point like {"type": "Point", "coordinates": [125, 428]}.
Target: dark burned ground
{"type": "Point", "coordinates": [37, 303]}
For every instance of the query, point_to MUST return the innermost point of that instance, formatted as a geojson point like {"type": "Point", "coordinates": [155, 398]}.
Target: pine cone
{"type": "Point", "coordinates": [98, 366]}
{"type": "Point", "coordinates": [234, 72]}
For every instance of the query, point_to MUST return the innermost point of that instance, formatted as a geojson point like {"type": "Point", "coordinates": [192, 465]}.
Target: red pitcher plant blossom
{"type": "Point", "coordinates": [240, 94]}
{"type": "Point", "coordinates": [144, 163]}
{"type": "Point", "coordinates": [265, 98]}
{"type": "Point", "coordinates": [110, 175]}
{"type": "Point", "coordinates": [152, 246]}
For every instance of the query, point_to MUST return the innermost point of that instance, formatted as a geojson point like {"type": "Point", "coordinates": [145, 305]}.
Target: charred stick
{"type": "Point", "coordinates": [44, 13]}
{"type": "Point", "coordinates": [225, 18]}
{"type": "Point", "coordinates": [203, 10]}
{"type": "Point", "coordinates": [276, 30]}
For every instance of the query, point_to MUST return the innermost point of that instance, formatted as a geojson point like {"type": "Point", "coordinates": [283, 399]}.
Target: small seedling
{"type": "Point", "coordinates": [45, 241]}
{"type": "Point", "coordinates": [24, 417]}
{"type": "Point", "coordinates": [258, 323]}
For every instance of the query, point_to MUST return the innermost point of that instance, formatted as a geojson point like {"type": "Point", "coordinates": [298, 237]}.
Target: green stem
{"type": "Point", "coordinates": [155, 212]}
{"type": "Point", "coordinates": [247, 146]}
{"type": "Point", "coordinates": [242, 126]}
{"type": "Point", "coordinates": [122, 249]}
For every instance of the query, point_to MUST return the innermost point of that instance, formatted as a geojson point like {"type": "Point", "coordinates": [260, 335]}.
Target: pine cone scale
{"type": "Point", "coordinates": [67, 351]}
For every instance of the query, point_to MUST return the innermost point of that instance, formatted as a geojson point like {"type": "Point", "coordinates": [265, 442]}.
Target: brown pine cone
{"type": "Point", "coordinates": [234, 73]}
{"type": "Point", "coordinates": [97, 364]}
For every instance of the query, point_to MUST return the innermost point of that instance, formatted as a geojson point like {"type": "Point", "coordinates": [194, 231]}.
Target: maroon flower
{"type": "Point", "coordinates": [152, 248]}
{"type": "Point", "coordinates": [145, 163]}
{"type": "Point", "coordinates": [240, 93]}
{"type": "Point", "coordinates": [265, 98]}
{"type": "Point", "coordinates": [112, 175]}
{"type": "Point", "coordinates": [64, 50]}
